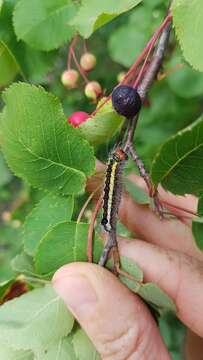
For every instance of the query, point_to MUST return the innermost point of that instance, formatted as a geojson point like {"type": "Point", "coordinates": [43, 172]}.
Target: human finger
{"type": "Point", "coordinates": [118, 322]}
{"type": "Point", "coordinates": [179, 275]}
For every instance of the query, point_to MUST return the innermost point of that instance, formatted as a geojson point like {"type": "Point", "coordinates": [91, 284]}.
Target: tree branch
{"type": "Point", "coordinates": [155, 64]}
{"type": "Point", "coordinates": [148, 78]}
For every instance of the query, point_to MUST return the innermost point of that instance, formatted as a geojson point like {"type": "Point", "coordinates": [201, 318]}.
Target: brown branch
{"type": "Point", "coordinates": [110, 244]}
{"type": "Point", "coordinates": [148, 77]}
{"type": "Point", "coordinates": [155, 64]}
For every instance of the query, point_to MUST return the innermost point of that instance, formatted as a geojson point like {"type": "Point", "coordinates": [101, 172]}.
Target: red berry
{"type": "Point", "coordinates": [77, 118]}
{"type": "Point", "coordinates": [93, 90]}
{"type": "Point", "coordinates": [69, 78]}
{"type": "Point", "coordinates": [88, 61]}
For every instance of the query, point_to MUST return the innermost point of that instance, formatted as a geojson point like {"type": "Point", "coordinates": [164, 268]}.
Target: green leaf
{"type": "Point", "coordinates": [102, 126]}
{"type": "Point", "coordinates": [59, 350]}
{"type": "Point", "coordinates": [173, 333]}
{"type": "Point", "coordinates": [154, 3]}
{"type": "Point", "coordinates": [155, 125]}
{"type": "Point", "coordinates": [94, 14]}
{"type": "Point", "coordinates": [1, 3]}
{"type": "Point", "coordinates": [65, 243]}
{"type": "Point", "coordinates": [200, 206]}
{"type": "Point", "coordinates": [120, 43]}
{"type": "Point", "coordinates": [23, 264]}
{"type": "Point", "coordinates": [35, 132]}
{"type": "Point", "coordinates": [4, 285]}
{"type": "Point", "coordinates": [197, 230]}
{"type": "Point", "coordinates": [178, 165]}
{"type": "Point", "coordinates": [130, 267]}
{"type": "Point", "coordinates": [7, 353]}
{"type": "Point", "coordinates": [133, 285]}
{"type": "Point", "coordinates": [8, 65]}
{"type": "Point", "coordinates": [5, 175]}
{"type": "Point", "coordinates": [50, 211]}
{"type": "Point", "coordinates": [44, 25]}
{"type": "Point", "coordinates": [35, 64]}
{"type": "Point", "coordinates": [185, 81]}
{"type": "Point", "coordinates": [139, 195]}
{"type": "Point", "coordinates": [34, 320]}
{"type": "Point", "coordinates": [197, 225]}
{"type": "Point", "coordinates": [10, 245]}
{"type": "Point", "coordinates": [187, 17]}
{"type": "Point", "coordinates": [151, 293]}
{"type": "Point", "coordinates": [83, 347]}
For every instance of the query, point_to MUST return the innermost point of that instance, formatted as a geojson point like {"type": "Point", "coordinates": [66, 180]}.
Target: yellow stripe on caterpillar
{"type": "Point", "coordinates": [112, 189]}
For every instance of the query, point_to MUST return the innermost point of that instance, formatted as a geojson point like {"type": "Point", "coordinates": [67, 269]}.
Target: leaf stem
{"type": "Point", "coordinates": [91, 229]}
{"type": "Point", "coordinates": [72, 45]}
{"type": "Point", "coordinates": [86, 204]}
{"type": "Point", "coordinates": [82, 73]}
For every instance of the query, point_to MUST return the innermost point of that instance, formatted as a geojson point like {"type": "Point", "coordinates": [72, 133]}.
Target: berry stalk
{"type": "Point", "coordinates": [146, 52]}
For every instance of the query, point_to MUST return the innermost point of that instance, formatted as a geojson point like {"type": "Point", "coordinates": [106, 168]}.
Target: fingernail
{"type": "Point", "coordinates": [77, 293]}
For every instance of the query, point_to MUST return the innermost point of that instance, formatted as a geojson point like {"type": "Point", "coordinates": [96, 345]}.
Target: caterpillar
{"type": "Point", "coordinates": [112, 189]}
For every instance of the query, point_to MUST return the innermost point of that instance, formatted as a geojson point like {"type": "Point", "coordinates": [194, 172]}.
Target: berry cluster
{"type": "Point", "coordinates": [87, 62]}
{"type": "Point", "coordinates": [125, 97]}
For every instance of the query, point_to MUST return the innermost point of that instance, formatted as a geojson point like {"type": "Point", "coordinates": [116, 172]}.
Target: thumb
{"type": "Point", "coordinates": [118, 322]}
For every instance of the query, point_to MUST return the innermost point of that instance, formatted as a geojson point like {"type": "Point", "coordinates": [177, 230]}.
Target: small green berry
{"type": "Point", "coordinates": [93, 90]}
{"type": "Point", "coordinates": [69, 78]}
{"type": "Point", "coordinates": [88, 61]}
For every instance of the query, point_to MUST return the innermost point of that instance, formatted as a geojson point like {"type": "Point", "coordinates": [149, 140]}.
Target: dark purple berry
{"type": "Point", "coordinates": [126, 101]}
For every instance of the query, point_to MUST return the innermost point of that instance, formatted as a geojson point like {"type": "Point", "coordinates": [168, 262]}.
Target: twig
{"type": "Point", "coordinates": [110, 243]}
{"type": "Point", "coordinates": [148, 77]}
{"type": "Point", "coordinates": [143, 172]}
{"type": "Point", "coordinates": [153, 193]}
{"type": "Point", "coordinates": [122, 133]}
{"type": "Point", "coordinates": [130, 135]}
{"type": "Point", "coordinates": [155, 65]}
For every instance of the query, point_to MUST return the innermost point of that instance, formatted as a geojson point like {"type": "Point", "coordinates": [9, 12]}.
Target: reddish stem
{"type": "Point", "coordinates": [167, 204]}
{"type": "Point", "coordinates": [78, 66]}
{"type": "Point", "coordinates": [84, 207]}
{"type": "Point", "coordinates": [72, 45]}
{"type": "Point", "coordinates": [100, 106]}
{"type": "Point", "coordinates": [91, 230]}
{"type": "Point", "coordinates": [150, 46]}
{"type": "Point", "coordinates": [142, 70]}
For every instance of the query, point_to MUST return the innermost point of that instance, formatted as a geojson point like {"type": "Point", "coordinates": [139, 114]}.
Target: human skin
{"type": "Point", "coordinates": [117, 321]}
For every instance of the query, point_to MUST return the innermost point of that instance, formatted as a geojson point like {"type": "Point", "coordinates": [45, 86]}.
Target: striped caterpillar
{"type": "Point", "coordinates": [112, 189]}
